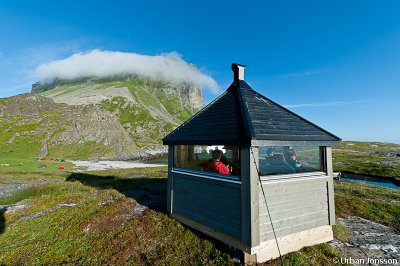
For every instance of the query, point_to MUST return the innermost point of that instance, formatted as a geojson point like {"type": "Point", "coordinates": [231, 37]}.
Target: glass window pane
{"type": "Point", "coordinates": [289, 159]}
{"type": "Point", "coordinates": [219, 159]}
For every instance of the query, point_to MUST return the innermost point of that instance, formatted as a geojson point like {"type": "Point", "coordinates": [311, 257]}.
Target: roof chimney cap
{"type": "Point", "coordinates": [238, 71]}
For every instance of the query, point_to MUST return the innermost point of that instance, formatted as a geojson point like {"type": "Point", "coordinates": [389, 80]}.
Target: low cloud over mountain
{"type": "Point", "coordinates": [98, 63]}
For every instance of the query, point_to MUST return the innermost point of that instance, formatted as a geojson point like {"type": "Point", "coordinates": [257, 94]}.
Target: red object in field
{"type": "Point", "coordinates": [43, 158]}
{"type": "Point", "coordinates": [61, 168]}
{"type": "Point", "coordinates": [52, 158]}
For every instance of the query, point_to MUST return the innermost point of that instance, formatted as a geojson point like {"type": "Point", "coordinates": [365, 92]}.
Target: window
{"type": "Point", "coordinates": [218, 159]}
{"type": "Point", "coordinates": [276, 160]}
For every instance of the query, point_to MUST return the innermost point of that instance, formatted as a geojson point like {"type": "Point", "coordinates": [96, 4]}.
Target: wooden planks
{"type": "Point", "coordinates": [213, 203]}
{"type": "Point", "coordinates": [294, 206]}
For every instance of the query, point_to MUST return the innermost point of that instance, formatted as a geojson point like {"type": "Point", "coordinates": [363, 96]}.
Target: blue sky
{"type": "Point", "coordinates": [336, 63]}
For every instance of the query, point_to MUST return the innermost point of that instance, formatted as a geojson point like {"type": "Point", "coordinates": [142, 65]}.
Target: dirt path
{"type": "Point", "coordinates": [369, 240]}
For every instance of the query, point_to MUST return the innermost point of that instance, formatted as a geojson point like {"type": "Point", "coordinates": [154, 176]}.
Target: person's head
{"type": "Point", "coordinates": [289, 153]}
{"type": "Point", "coordinates": [217, 154]}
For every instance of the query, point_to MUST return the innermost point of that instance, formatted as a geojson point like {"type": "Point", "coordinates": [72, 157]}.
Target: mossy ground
{"type": "Point", "coordinates": [99, 225]}
{"type": "Point", "coordinates": [375, 203]}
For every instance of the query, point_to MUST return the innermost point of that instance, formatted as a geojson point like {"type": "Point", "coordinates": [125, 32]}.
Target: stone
{"type": "Point", "coordinates": [370, 240]}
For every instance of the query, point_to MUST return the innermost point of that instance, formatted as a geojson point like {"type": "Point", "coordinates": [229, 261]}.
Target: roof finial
{"type": "Point", "coordinates": [238, 71]}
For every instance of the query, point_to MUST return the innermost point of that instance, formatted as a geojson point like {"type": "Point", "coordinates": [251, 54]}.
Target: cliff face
{"type": "Point", "coordinates": [114, 118]}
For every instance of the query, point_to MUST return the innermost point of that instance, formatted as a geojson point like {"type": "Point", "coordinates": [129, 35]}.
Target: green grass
{"type": "Point", "coordinates": [19, 165]}
{"type": "Point", "coordinates": [24, 143]}
{"type": "Point", "coordinates": [26, 127]}
{"type": "Point", "coordinates": [341, 232]}
{"type": "Point", "coordinates": [25, 169]}
{"type": "Point", "coordinates": [33, 192]}
{"type": "Point", "coordinates": [23, 146]}
{"type": "Point", "coordinates": [5, 136]}
{"type": "Point", "coordinates": [317, 255]}
{"type": "Point", "coordinates": [64, 87]}
{"type": "Point", "coordinates": [82, 151]}
{"type": "Point", "coordinates": [137, 119]}
{"type": "Point", "coordinates": [100, 229]}
{"type": "Point", "coordinates": [370, 158]}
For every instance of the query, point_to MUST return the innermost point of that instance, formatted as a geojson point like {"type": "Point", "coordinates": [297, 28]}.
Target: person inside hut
{"type": "Point", "coordinates": [291, 157]}
{"type": "Point", "coordinates": [215, 165]}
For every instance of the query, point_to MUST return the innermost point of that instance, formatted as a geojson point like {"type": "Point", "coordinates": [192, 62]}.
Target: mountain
{"type": "Point", "coordinates": [122, 117]}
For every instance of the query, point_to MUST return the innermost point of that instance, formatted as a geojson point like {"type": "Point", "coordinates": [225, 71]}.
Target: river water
{"type": "Point", "coordinates": [369, 180]}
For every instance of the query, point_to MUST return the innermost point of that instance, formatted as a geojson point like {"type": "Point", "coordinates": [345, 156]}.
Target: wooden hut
{"type": "Point", "coordinates": [278, 195]}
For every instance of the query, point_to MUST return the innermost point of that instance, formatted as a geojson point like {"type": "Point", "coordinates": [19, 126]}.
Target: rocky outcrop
{"type": "Point", "coordinates": [193, 96]}
{"type": "Point", "coordinates": [60, 127]}
{"type": "Point", "coordinates": [369, 242]}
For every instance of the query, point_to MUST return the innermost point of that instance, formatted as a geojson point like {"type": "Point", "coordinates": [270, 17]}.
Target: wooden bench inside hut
{"type": "Point", "coordinates": [252, 174]}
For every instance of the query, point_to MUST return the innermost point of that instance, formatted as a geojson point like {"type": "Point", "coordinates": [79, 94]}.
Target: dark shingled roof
{"type": "Point", "coordinates": [240, 115]}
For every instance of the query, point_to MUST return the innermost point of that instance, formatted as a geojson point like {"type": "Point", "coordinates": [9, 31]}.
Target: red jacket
{"type": "Point", "coordinates": [216, 167]}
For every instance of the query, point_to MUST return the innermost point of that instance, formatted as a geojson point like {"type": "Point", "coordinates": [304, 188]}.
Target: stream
{"type": "Point", "coordinates": [369, 180]}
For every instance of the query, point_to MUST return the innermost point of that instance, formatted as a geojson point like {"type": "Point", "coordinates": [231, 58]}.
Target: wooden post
{"type": "Point", "coordinates": [329, 171]}
{"type": "Point", "coordinates": [170, 186]}
{"type": "Point", "coordinates": [181, 155]}
{"type": "Point", "coordinates": [249, 259]}
{"type": "Point", "coordinates": [249, 198]}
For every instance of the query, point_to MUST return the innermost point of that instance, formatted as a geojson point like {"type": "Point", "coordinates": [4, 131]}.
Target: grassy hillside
{"type": "Point", "coordinates": [138, 117]}
{"type": "Point", "coordinates": [146, 109]}
{"type": "Point", "coordinates": [371, 158]}
{"type": "Point", "coordinates": [115, 118]}
{"type": "Point", "coordinates": [33, 126]}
